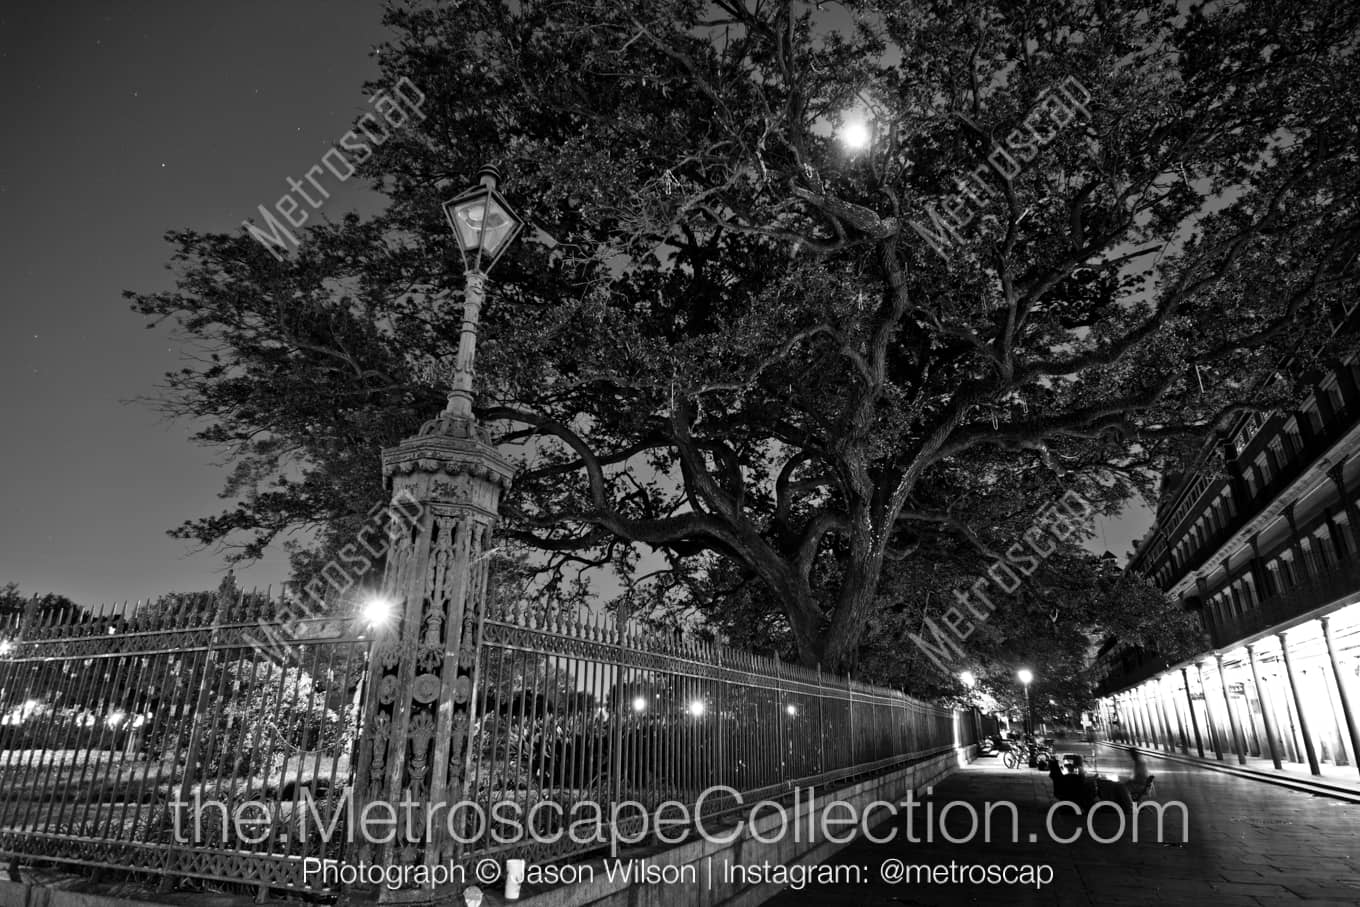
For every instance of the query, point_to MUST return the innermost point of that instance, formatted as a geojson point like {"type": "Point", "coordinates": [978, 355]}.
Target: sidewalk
{"type": "Point", "coordinates": [1247, 845]}
{"type": "Point", "coordinates": [1340, 781]}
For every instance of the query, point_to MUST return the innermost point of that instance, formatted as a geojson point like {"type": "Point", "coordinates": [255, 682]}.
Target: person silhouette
{"type": "Point", "coordinates": [1141, 780]}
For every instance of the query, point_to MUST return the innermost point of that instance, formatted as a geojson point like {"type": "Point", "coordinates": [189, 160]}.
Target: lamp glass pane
{"type": "Point", "coordinates": [484, 222]}
{"type": "Point", "coordinates": [497, 229]}
{"type": "Point", "coordinates": [467, 222]}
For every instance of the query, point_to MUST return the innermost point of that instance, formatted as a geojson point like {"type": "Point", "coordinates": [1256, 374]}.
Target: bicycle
{"type": "Point", "coordinates": [1017, 755]}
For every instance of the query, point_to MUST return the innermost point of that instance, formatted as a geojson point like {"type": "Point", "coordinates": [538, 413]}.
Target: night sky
{"type": "Point", "coordinates": [128, 120]}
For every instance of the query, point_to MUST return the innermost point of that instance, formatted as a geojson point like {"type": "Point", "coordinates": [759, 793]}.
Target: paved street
{"type": "Point", "coordinates": [1249, 844]}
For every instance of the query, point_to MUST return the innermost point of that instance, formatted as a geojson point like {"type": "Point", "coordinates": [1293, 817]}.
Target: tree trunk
{"type": "Point", "coordinates": [855, 604]}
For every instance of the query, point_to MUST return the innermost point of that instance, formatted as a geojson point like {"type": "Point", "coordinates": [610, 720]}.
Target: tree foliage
{"type": "Point", "coordinates": [723, 340]}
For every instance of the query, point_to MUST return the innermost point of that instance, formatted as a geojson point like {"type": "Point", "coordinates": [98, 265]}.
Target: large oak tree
{"type": "Point", "coordinates": [731, 339]}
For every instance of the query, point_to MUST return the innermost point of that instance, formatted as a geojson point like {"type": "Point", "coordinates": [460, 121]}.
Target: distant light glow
{"type": "Point", "coordinates": [967, 678]}
{"type": "Point", "coordinates": [6, 646]}
{"type": "Point", "coordinates": [1025, 675]}
{"type": "Point", "coordinates": [696, 708]}
{"type": "Point", "coordinates": [640, 704]}
{"type": "Point", "coordinates": [855, 135]}
{"type": "Point", "coordinates": [116, 719]}
{"type": "Point", "coordinates": [377, 611]}
{"type": "Point", "coordinates": [792, 710]}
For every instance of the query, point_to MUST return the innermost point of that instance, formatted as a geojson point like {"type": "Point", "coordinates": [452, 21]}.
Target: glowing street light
{"type": "Point", "coordinates": [640, 704]}
{"type": "Point", "coordinates": [696, 708]}
{"type": "Point", "coordinates": [968, 679]}
{"type": "Point", "coordinates": [792, 710]}
{"type": "Point", "coordinates": [377, 611]}
{"type": "Point", "coordinates": [1026, 675]}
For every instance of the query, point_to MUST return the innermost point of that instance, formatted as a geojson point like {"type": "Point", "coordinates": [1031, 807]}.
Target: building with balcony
{"type": "Point", "coordinates": [1263, 544]}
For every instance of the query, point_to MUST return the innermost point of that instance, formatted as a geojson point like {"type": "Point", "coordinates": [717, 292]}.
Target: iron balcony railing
{"type": "Point", "coordinates": [1342, 580]}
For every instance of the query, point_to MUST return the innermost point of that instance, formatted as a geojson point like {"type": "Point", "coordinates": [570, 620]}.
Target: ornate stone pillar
{"type": "Point", "coordinates": [418, 707]}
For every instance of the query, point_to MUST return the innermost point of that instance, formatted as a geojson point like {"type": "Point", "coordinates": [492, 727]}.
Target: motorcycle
{"type": "Point", "coordinates": [1040, 752]}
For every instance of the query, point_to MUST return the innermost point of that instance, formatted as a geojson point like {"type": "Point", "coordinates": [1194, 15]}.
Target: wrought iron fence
{"type": "Point", "coordinates": [113, 726]}
{"type": "Point", "coordinates": [128, 740]}
{"type": "Point", "coordinates": [573, 708]}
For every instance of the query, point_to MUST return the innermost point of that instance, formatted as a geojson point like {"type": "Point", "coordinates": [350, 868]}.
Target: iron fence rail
{"type": "Point", "coordinates": [135, 741]}
{"type": "Point", "coordinates": [130, 741]}
{"type": "Point", "coordinates": [573, 708]}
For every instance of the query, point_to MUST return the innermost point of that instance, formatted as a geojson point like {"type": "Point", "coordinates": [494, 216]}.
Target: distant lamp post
{"type": "Point", "coordinates": [484, 225]}
{"type": "Point", "coordinates": [968, 679]}
{"type": "Point", "coordinates": [1026, 676]}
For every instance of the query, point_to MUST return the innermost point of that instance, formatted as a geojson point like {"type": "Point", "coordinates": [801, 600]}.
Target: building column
{"type": "Point", "coordinates": [1261, 696]}
{"type": "Point", "coordinates": [1239, 740]}
{"type": "Point", "coordinates": [1304, 731]}
{"type": "Point", "coordinates": [1159, 714]}
{"type": "Point", "coordinates": [1135, 722]}
{"type": "Point", "coordinates": [1344, 696]}
{"type": "Point", "coordinates": [1194, 719]}
{"type": "Point", "coordinates": [1209, 714]}
{"type": "Point", "coordinates": [1140, 720]}
{"type": "Point", "coordinates": [1149, 733]}
{"type": "Point", "coordinates": [1169, 708]}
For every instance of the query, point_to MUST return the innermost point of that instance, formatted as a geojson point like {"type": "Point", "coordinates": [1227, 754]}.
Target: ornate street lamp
{"type": "Point", "coordinates": [484, 225]}
{"type": "Point", "coordinates": [418, 710]}
{"type": "Point", "coordinates": [1026, 675]}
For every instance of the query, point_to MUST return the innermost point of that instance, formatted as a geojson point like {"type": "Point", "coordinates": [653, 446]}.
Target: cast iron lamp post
{"type": "Point", "coordinates": [418, 709]}
{"type": "Point", "coordinates": [484, 226]}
